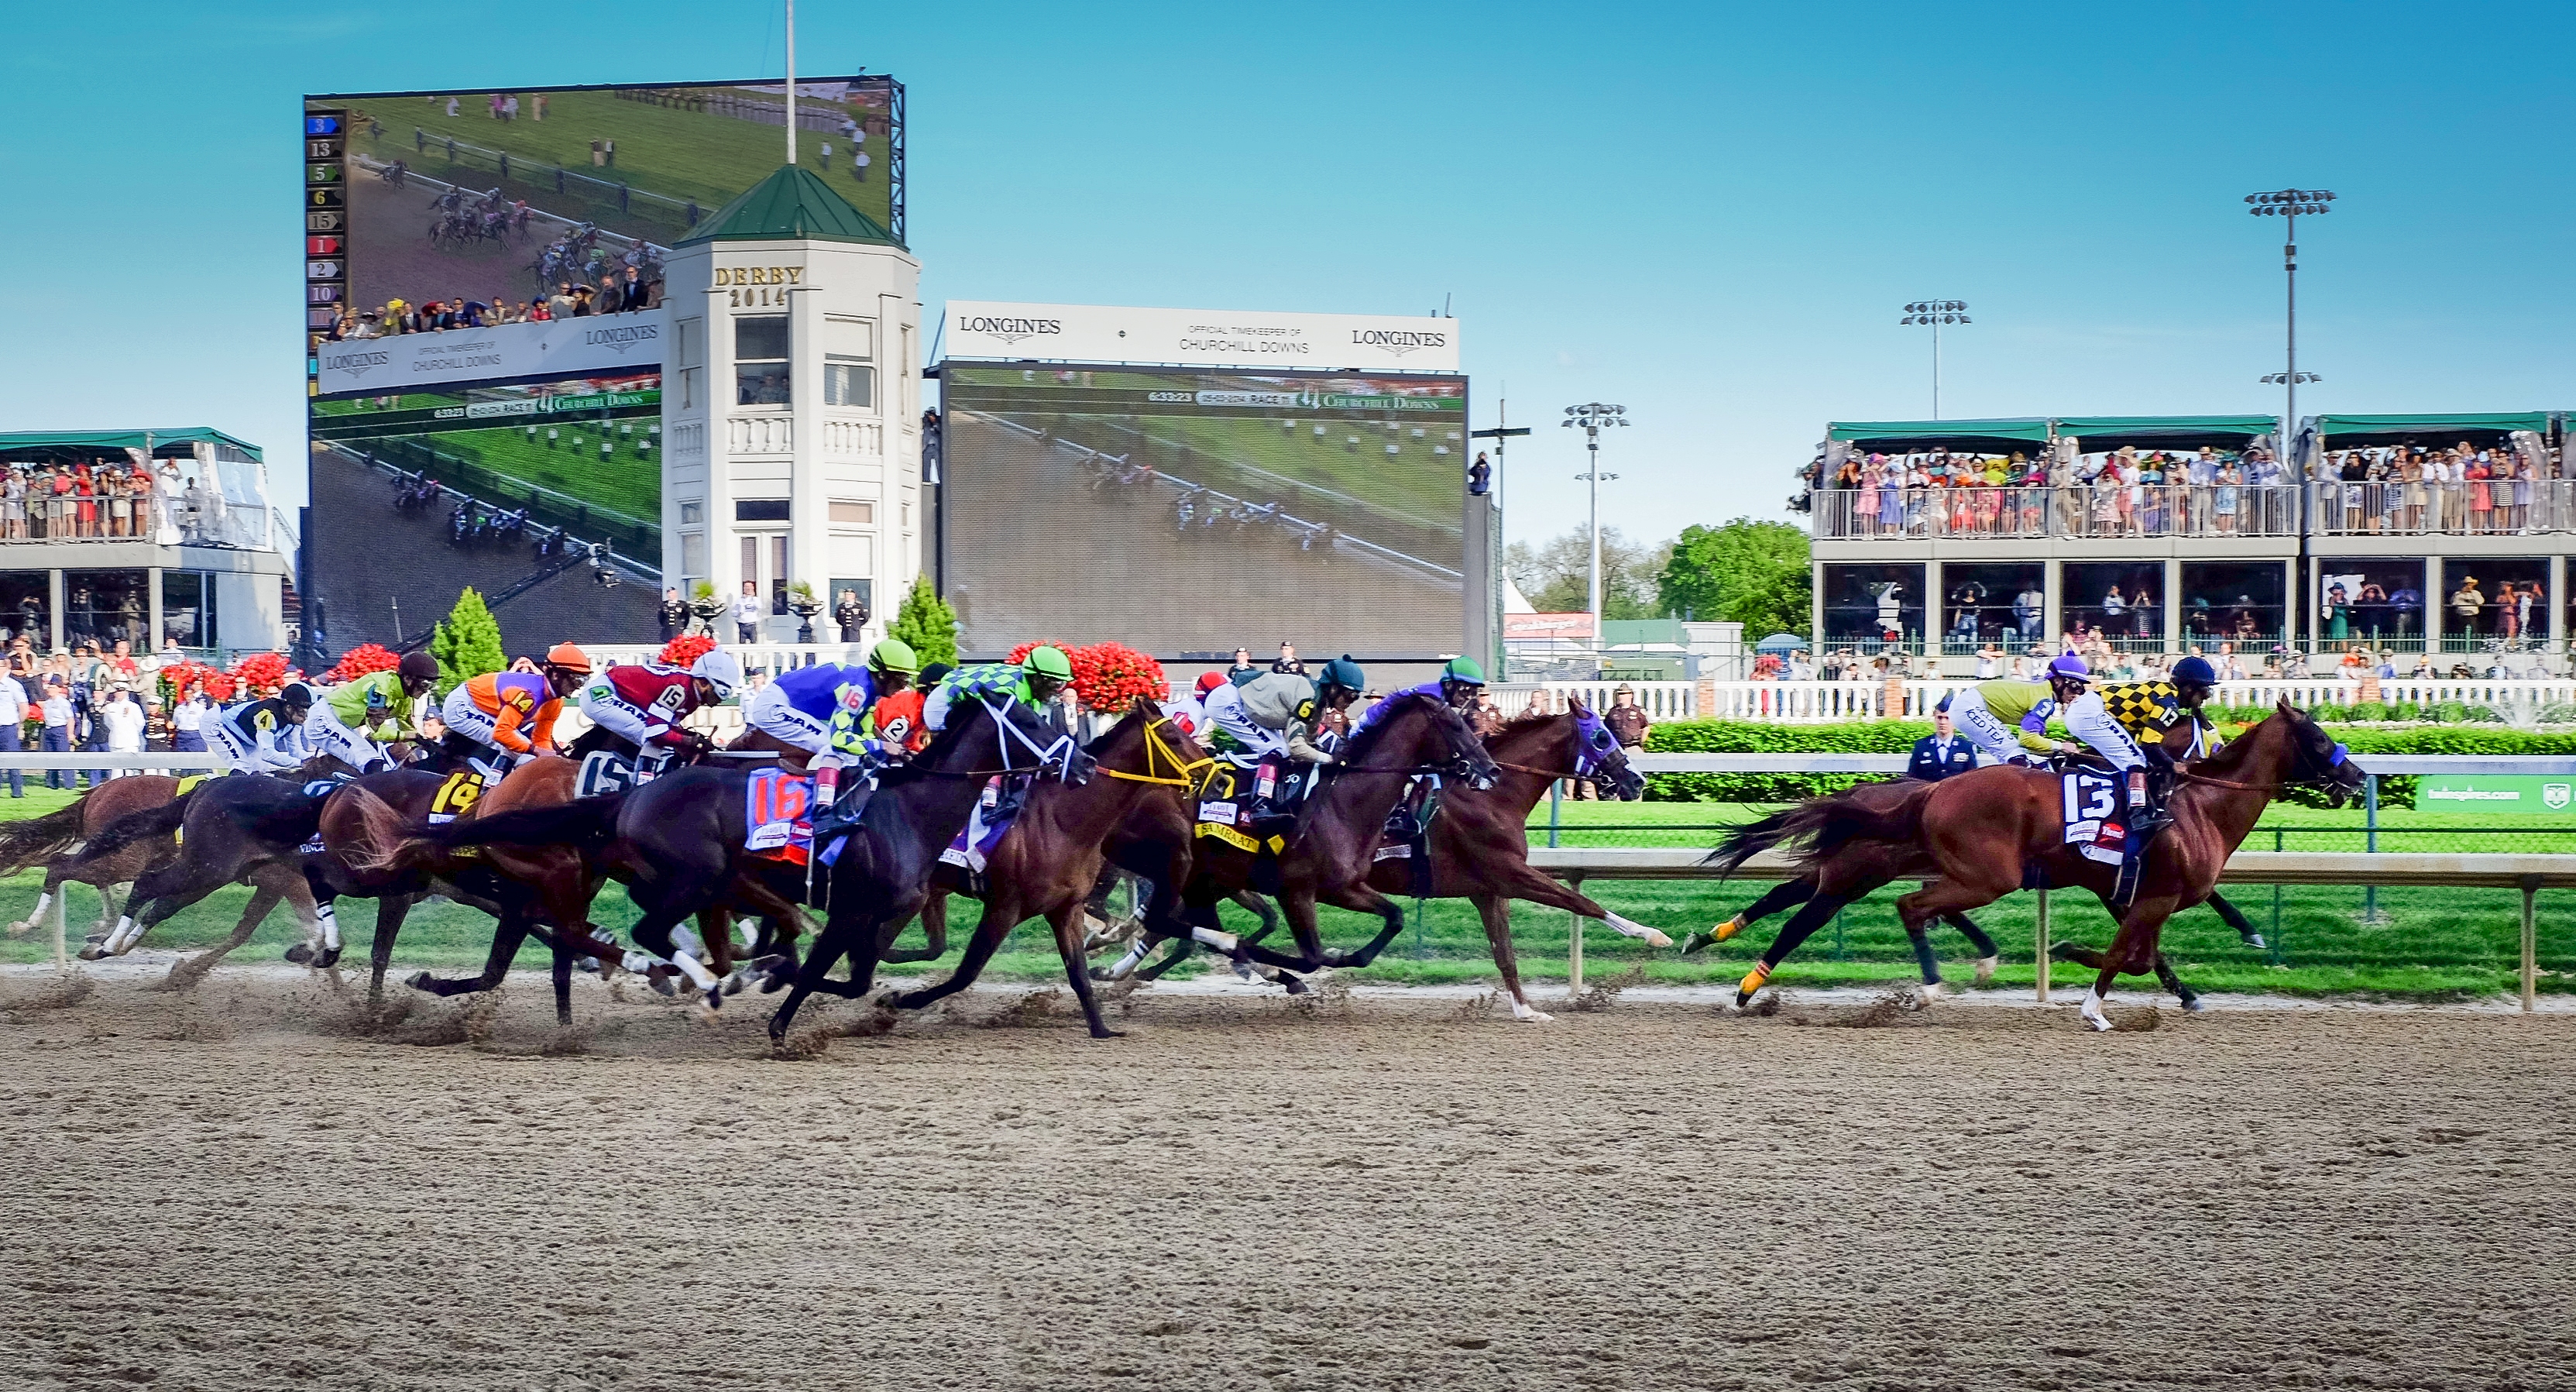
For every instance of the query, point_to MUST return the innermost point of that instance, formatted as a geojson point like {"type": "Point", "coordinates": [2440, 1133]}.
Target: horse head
{"type": "Point", "coordinates": [1423, 731]}
{"type": "Point", "coordinates": [1598, 756]}
{"type": "Point", "coordinates": [1003, 735]}
{"type": "Point", "coordinates": [2316, 759]}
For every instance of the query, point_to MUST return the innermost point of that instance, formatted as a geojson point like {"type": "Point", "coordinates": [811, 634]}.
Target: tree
{"type": "Point", "coordinates": [1556, 576]}
{"type": "Point", "coordinates": [467, 643]}
{"type": "Point", "coordinates": [1747, 572]}
{"type": "Point", "coordinates": [926, 623]}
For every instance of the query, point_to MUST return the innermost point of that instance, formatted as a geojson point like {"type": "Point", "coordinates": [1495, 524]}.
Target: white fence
{"type": "Point", "coordinates": [1662, 700]}
{"type": "Point", "coordinates": [1797, 702]}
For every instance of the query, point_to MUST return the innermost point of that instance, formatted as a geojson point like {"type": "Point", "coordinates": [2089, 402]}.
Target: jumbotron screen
{"type": "Point", "coordinates": [1197, 510]}
{"type": "Point", "coordinates": [502, 197]}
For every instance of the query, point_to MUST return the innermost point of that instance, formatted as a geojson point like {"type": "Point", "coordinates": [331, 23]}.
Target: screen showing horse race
{"type": "Point", "coordinates": [472, 208]}
{"type": "Point", "coordinates": [1192, 511]}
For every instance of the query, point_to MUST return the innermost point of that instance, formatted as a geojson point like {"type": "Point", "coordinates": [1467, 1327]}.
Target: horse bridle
{"type": "Point", "coordinates": [1157, 754]}
{"type": "Point", "coordinates": [2301, 780]}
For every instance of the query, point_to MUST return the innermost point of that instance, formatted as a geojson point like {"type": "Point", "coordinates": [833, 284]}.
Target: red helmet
{"type": "Point", "coordinates": [568, 657]}
{"type": "Point", "coordinates": [1210, 681]}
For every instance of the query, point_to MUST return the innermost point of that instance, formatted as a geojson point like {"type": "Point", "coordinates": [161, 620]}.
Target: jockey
{"type": "Point", "coordinates": [264, 736]}
{"type": "Point", "coordinates": [1191, 710]}
{"type": "Point", "coordinates": [1457, 687]}
{"type": "Point", "coordinates": [1271, 719]}
{"type": "Point", "coordinates": [2008, 720]}
{"type": "Point", "coordinates": [2144, 712]}
{"type": "Point", "coordinates": [853, 732]}
{"type": "Point", "coordinates": [357, 719]}
{"type": "Point", "coordinates": [500, 720]}
{"type": "Point", "coordinates": [642, 705]}
{"type": "Point", "coordinates": [1033, 683]}
{"type": "Point", "coordinates": [804, 708]}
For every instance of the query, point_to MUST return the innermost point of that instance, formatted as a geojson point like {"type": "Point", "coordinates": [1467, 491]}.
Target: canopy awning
{"type": "Point", "coordinates": [2098, 433]}
{"type": "Point", "coordinates": [2366, 432]}
{"type": "Point", "coordinates": [67, 444]}
{"type": "Point", "coordinates": [1920, 437]}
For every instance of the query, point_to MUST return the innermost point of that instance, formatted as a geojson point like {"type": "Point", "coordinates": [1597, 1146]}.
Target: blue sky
{"type": "Point", "coordinates": [1709, 214]}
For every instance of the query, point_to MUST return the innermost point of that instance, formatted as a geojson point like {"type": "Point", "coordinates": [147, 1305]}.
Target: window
{"type": "Point", "coordinates": [760, 360]}
{"type": "Point", "coordinates": [692, 514]}
{"type": "Point", "coordinates": [693, 555]}
{"type": "Point", "coordinates": [848, 382]}
{"type": "Point", "coordinates": [862, 514]}
{"type": "Point", "coordinates": [690, 361]}
{"type": "Point", "coordinates": [848, 347]}
{"type": "Point", "coordinates": [760, 510]}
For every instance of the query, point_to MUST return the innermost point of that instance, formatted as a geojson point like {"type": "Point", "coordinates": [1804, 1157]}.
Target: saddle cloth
{"type": "Point", "coordinates": [778, 807]}
{"type": "Point", "coordinates": [603, 771]}
{"type": "Point", "coordinates": [456, 796]}
{"type": "Point", "coordinates": [974, 846]}
{"type": "Point", "coordinates": [2095, 821]}
{"type": "Point", "coordinates": [1225, 810]}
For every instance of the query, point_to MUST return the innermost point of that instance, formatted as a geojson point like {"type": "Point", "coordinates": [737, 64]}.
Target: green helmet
{"type": "Point", "coordinates": [1344, 673]}
{"type": "Point", "coordinates": [1464, 671]}
{"type": "Point", "coordinates": [1045, 661]}
{"type": "Point", "coordinates": [896, 655]}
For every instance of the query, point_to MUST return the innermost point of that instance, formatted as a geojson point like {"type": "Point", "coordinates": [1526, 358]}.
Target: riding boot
{"type": "Point", "coordinates": [845, 811]}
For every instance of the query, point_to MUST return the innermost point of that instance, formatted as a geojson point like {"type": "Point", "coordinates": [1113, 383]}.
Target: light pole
{"type": "Point", "coordinates": [1592, 418]}
{"type": "Point", "coordinates": [1936, 313]}
{"type": "Point", "coordinates": [2291, 204]}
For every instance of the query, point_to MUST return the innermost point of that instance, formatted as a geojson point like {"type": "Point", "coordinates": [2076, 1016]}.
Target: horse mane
{"type": "Point", "coordinates": [1367, 738]}
{"type": "Point", "coordinates": [918, 766]}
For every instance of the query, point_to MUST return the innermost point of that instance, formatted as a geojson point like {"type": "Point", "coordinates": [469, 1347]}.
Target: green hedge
{"type": "Point", "coordinates": [1898, 736]}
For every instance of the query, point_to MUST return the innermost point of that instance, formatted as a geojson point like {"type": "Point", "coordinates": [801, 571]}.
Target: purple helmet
{"type": "Point", "coordinates": [2069, 667]}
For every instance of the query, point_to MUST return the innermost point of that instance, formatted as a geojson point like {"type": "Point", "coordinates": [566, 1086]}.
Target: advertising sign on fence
{"type": "Point", "coordinates": [2465, 792]}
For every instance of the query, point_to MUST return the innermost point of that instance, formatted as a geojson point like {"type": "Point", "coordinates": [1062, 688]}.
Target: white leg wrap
{"type": "Point", "coordinates": [2093, 1010]}
{"type": "Point", "coordinates": [1631, 928]}
{"type": "Point", "coordinates": [36, 915]}
{"type": "Point", "coordinates": [330, 921]}
{"type": "Point", "coordinates": [123, 937]}
{"type": "Point", "coordinates": [1523, 1010]}
{"type": "Point", "coordinates": [640, 962]}
{"type": "Point", "coordinates": [1118, 970]}
{"type": "Point", "coordinates": [698, 975]}
{"type": "Point", "coordinates": [1222, 942]}
{"type": "Point", "coordinates": [685, 937]}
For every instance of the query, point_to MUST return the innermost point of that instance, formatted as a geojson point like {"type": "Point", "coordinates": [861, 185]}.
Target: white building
{"type": "Point", "coordinates": [791, 406]}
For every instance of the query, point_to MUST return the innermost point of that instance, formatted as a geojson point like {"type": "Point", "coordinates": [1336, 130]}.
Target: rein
{"type": "Point", "coordinates": [1157, 753]}
{"type": "Point", "coordinates": [2296, 780]}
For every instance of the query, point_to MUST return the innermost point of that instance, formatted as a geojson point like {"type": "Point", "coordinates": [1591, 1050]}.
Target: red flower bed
{"type": "Point", "coordinates": [262, 672]}
{"type": "Point", "coordinates": [685, 649]}
{"type": "Point", "coordinates": [361, 660]}
{"type": "Point", "coordinates": [1108, 676]}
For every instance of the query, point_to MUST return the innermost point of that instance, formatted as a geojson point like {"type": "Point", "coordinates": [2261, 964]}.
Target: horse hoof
{"type": "Point", "coordinates": [1528, 1016]}
{"type": "Point", "coordinates": [330, 958]}
{"type": "Point", "coordinates": [1986, 969]}
{"type": "Point", "coordinates": [662, 985]}
{"type": "Point", "coordinates": [1294, 986]}
{"type": "Point", "coordinates": [2255, 941]}
{"type": "Point", "coordinates": [1932, 991]}
{"type": "Point", "coordinates": [19, 928]}
{"type": "Point", "coordinates": [92, 950]}
{"type": "Point", "coordinates": [2101, 1023]}
{"type": "Point", "coordinates": [301, 953]}
{"type": "Point", "coordinates": [1658, 938]}
{"type": "Point", "coordinates": [1108, 1034]}
{"type": "Point", "coordinates": [2195, 1005]}
{"type": "Point", "coordinates": [418, 981]}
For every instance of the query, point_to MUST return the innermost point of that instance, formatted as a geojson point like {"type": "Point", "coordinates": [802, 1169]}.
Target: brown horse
{"type": "Point", "coordinates": [242, 829]}
{"type": "Point", "coordinates": [1047, 862]}
{"type": "Point", "coordinates": [1328, 856]}
{"type": "Point", "coordinates": [1982, 830]}
{"type": "Point", "coordinates": [51, 839]}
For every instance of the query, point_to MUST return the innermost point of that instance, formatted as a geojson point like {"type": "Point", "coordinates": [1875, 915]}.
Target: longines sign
{"type": "Point", "coordinates": [596, 344]}
{"type": "Point", "coordinates": [1199, 337]}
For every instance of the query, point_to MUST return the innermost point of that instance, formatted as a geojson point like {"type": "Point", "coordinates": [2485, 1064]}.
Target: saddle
{"type": "Point", "coordinates": [2104, 829]}
{"type": "Point", "coordinates": [1225, 813]}
{"type": "Point", "coordinates": [603, 771]}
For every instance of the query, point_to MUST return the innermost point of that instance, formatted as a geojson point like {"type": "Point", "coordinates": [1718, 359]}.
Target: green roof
{"type": "Point", "coordinates": [792, 205]}
{"type": "Point", "coordinates": [104, 441]}
{"type": "Point", "coordinates": [2397, 429]}
{"type": "Point", "coordinates": [2099, 433]}
{"type": "Point", "coordinates": [1916, 437]}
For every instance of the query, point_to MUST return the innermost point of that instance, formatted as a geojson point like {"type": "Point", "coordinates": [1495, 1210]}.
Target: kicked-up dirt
{"type": "Point", "coordinates": [257, 1185]}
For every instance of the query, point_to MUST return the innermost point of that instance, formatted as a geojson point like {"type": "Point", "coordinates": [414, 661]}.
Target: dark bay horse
{"type": "Point", "coordinates": [52, 839]}
{"type": "Point", "coordinates": [244, 828]}
{"type": "Point", "coordinates": [1980, 830]}
{"type": "Point", "coordinates": [1046, 864]}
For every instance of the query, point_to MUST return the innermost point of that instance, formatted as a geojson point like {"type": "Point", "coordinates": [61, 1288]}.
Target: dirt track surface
{"type": "Point", "coordinates": [237, 1189]}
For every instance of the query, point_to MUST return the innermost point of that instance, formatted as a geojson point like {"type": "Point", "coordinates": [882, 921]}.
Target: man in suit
{"type": "Point", "coordinates": [1941, 753]}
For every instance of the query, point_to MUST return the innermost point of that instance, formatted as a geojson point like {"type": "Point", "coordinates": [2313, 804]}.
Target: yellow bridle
{"type": "Point", "coordinates": [1159, 755]}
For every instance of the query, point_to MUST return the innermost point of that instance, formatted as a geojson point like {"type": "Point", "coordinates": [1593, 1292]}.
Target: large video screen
{"type": "Point", "coordinates": [498, 200]}
{"type": "Point", "coordinates": [1191, 512]}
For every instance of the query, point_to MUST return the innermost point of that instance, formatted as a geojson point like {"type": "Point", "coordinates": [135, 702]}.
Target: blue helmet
{"type": "Point", "coordinates": [2195, 671]}
{"type": "Point", "coordinates": [2069, 667]}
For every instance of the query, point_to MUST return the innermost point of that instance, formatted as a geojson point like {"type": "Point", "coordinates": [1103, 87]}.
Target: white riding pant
{"type": "Point", "coordinates": [2089, 720]}
{"type": "Point", "coordinates": [355, 748]}
{"type": "Point", "coordinates": [622, 719]}
{"type": "Point", "coordinates": [1997, 742]}
{"type": "Point", "coordinates": [244, 757]}
{"type": "Point", "coordinates": [769, 711]}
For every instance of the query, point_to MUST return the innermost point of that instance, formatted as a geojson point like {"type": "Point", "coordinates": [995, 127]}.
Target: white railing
{"type": "Point", "coordinates": [1662, 700]}
{"type": "Point", "coordinates": [2074, 510]}
{"type": "Point", "coordinates": [2488, 507]}
{"type": "Point", "coordinates": [1797, 702]}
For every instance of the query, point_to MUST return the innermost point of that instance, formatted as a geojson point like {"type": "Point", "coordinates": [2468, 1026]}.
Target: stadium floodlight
{"type": "Point", "coordinates": [2291, 204]}
{"type": "Point", "coordinates": [1592, 418]}
{"type": "Point", "coordinates": [1933, 314]}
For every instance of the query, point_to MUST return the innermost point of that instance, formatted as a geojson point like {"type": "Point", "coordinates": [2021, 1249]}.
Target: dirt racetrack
{"type": "Point", "coordinates": [236, 1189]}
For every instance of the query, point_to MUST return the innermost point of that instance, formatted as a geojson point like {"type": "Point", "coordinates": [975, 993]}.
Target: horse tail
{"type": "Point", "coordinates": [588, 823]}
{"type": "Point", "coordinates": [42, 838]}
{"type": "Point", "coordinates": [145, 825]}
{"type": "Point", "coordinates": [384, 841]}
{"type": "Point", "coordinates": [1820, 826]}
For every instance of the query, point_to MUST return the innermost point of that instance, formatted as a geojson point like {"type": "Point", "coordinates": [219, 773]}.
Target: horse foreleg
{"type": "Point", "coordinates": [507, 935]}
{"type": "Point", "coordinates": [390, 913]}
{"type": "Point", "coordinates": [1526, 882]}
{"type": "Point", "coordinates": [1988, 955]}
{"type": "Point", "coordinates": [563, 983]}
{"type": "Point", "coordinates": [2235, 918]}
{"type": "Point", "coordinates": [1068, 945]}
{"type": "Point", "coordinates": [2133, 950]}
{"type": "Point", "coordinates": [187, 972]}
{"type": "Point", "coordinates": [1259, 904]}
{"type": "Point", "coordinates": [1357, 898]}
{"type": "Point", "coordinates": [999, 918]}
{"type": "Point", "coordinates": [934, 926]}
{"type": "Point", "coordinates": [1496, 911]}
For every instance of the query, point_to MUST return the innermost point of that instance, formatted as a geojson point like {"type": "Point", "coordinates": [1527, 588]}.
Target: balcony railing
{"type": "Point", "coordinates": [2496, 507]}
{"type": "Point", "coordinates": [2076, 510]}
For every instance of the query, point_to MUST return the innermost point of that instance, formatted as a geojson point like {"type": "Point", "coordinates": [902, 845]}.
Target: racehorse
{"type": "Point", "coordinates": [248, 828]}
{"type": "Point", "coordinates": [1898, 861]}
{"type": "Point", "coordinates": [1981, 831]}
{"type": "Point", "coordinates": [52, 838]}
{"type": "Point", "coordinates": [1047, 862]}
{"type": "Point", "coordinates": [1328, 856]}
{"type": "Point", "coordinates": [1478, 843]}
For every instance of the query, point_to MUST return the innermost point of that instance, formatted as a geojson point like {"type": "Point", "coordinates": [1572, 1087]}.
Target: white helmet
{"type": "Point", "coordinates": [719, 669]}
